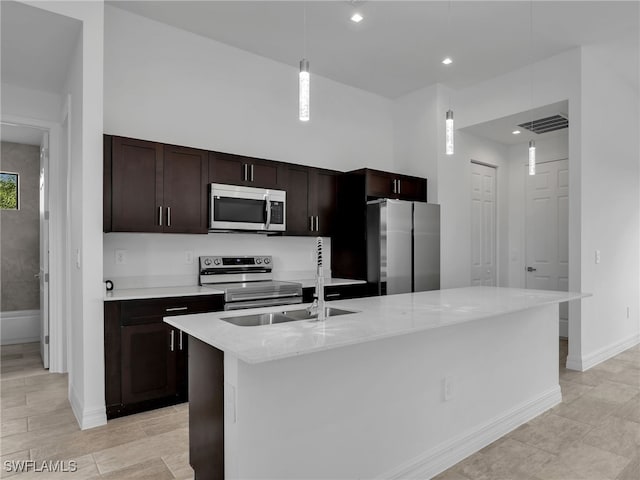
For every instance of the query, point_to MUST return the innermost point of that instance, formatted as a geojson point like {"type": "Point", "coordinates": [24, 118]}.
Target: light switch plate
{"type": "Point", "coordinates": [121, 257]}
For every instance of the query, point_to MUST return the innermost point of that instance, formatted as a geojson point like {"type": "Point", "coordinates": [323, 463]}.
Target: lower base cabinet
{"type": "Point", "coordinates": [146, 359]}
{"type": "Point", "coordinates": [337, 292]}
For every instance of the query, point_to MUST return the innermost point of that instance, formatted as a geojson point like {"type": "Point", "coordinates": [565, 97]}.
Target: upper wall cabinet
{"type": "Point", "coordinates": [311, 200]}
{"type": "Point", "coordinates": [380, 184]}
{"type": "Point", "coordinates": [238, 170]}
{"type": "Point", "coordinates": [151, 187]}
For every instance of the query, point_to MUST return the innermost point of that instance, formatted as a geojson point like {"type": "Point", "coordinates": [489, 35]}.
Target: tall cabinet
{"type": "Point", "coordinates": [349, 243]}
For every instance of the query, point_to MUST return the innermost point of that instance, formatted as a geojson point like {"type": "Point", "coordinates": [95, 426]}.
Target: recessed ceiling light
{"type": "Point", "coordinates": [447, 61]}
{"type": "Point", "coordinates": [356, 17]}
{"type": "Point", "coordinates": [516, 132]}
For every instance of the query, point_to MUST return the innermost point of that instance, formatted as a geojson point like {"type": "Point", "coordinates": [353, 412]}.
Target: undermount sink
{"type": "Point", "coordinates": [258, 319]}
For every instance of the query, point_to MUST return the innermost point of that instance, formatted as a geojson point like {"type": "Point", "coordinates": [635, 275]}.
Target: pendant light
{"type": "Point", "coordinates": [303, 80]}
{"type": "Point", "coordinates": [448, 127]}
{"type": "Point", "coordinates": [448, 122]}
{"type": "Point", "coordinates": [532, 144]}
{"type": "Point", "coordinates": [532, 157]}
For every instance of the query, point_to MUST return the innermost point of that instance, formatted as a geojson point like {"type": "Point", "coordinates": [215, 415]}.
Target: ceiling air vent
{"type": "Point", "coordinates": [547, 124]}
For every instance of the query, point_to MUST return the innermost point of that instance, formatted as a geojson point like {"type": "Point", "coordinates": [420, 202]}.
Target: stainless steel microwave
{"type": "Point", "coordinates": [233, 207]}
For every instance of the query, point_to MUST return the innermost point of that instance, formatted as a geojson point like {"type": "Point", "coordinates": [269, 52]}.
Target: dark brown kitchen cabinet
{"type": "Point", "coordinates": [145, 358]}
{"type": "Point", "coordinates": [380, 184]}
{"type": "Point", "coordinates": [239, 170]}
{"type": "Point", "coordinates": [311, 200]}
{"type": "Point", "coordinates": [152, 187]}
{"type": "Point", "coordinates": [349, 243]}
{"type": "Point", "coordinates": [337, 292]}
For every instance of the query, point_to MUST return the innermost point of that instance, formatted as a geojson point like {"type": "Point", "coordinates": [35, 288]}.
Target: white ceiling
{"type": "Point", "coordinates": [36, 46]}
{"type": "Point", "coordinates": [399, 45]}
{"type": "Point", "coordinates": [500, 130]}
{"type": "Point", "coordinates": [20, 134]}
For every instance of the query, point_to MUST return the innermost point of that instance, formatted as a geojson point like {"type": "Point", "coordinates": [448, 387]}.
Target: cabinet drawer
{"type": "Point", "coordinates": [342, 292]}
{"type": "Point", "coordinates": [136, 312]}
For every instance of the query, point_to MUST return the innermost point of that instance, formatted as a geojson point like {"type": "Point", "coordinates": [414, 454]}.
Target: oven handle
{"type": "Point", "coordinates": [268, 210]}
{"type": "Point", "coordinates": [262, 297]}
{"type": "Point", "coordinates": [257, 304]}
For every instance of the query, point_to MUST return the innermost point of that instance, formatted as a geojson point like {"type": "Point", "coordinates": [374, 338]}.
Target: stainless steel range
{"type": "Point", "coordinates": [247, 282]}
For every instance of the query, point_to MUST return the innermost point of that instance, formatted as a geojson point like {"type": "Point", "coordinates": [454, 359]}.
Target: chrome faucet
{"type": "Point", "coordinates": [318, 296]}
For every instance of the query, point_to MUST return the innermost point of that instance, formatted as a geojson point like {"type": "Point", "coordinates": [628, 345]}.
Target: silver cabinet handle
{"type": "Point", "coordinates": [332, 295]}
{"type": "Point", "coordinates": [175, 309]}
{"type": "Point", "coordinates": [311, 223]}
{"type": "Point", "coordinates": [317, 224]}
{"type": "Point", "coordinates": [246, 174]}
{"type": "Point", "coordinates": [171, 343]}
{"type": "Point", "coordinates": [395, 188]}
{"type": "Point", "coordinates": [180, 340]}
{"type": "Point", "coordinates": [168, 216]}
{"type": "Point", "coordinates": [399, 186]}
{"type": "Point", "coordinates": [160, 215]}
{"type": "Point", "coordinates": [252, 173]}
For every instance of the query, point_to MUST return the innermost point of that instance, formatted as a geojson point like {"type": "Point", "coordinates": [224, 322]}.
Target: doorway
{"type": "Point", "coordinates": [483, 224]}
{"type": "Point", "coordinates": [25, 251]}
{"type": "Point", "coordinates": [547, 231]}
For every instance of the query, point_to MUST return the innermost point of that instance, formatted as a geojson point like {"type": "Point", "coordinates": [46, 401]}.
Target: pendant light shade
{"type": "Point", "coordinates": [304, 91]}
{"type": "Point", "coordinates": [532, 157]}
{"type": "Point", "coordinates": [449, 133]}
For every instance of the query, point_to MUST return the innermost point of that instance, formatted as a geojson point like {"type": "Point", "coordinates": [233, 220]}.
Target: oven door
{"type": "Point", "coordinates": [244, 208]}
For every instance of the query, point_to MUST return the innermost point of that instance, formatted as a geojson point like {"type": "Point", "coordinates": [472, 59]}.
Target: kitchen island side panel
{"type": "Point", "coordinates": [378, 409]}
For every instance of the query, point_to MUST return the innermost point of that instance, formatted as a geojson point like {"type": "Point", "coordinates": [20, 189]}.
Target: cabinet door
{"type": "Point", "coordinates": [227, 168]}
{"type": "Point", "coordinates": [324, 199]}
{"type": "Point", "coordinates": [137, 173]}
{"type": "Point", "coordinates": [185, 190]}
{"type": "Point", "coordinates": [148, 362]}
{"type": "Point", "coordinates": [380, 185]}
{"type": "Point", "coordinates": [412, 188]}
{"type": "Point", "coordinates": [299, 217]}
{"type": "Point", "coordinates": [264, 174]}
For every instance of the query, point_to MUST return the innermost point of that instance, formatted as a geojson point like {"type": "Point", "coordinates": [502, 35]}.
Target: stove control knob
{"type": "Point", "coordinates": [267, 260]}
{"type": "Point", "coordinates": [207, 261]}
{"type": "Point", "coordinates": [216, 261]}
{"type": "Point", "coordinates": [258, 261]}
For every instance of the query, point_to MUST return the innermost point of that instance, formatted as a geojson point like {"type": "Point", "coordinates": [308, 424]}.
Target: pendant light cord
{"type": "Point", "coordinates": [531, 57]}
{"type": "Point", "coordinates": [304, 30]}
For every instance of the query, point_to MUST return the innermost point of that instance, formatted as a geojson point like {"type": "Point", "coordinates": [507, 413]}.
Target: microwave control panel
{"type": "Point", "coordinates": [277, 212]}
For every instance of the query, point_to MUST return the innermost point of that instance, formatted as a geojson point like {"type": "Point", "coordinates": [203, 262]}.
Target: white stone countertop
{"type": "Point", "coordinates": [159, 292]}
{"type": "Point", "coordinates": [377, 318]}
{"type": "Point", "coordinates": [193, 290]}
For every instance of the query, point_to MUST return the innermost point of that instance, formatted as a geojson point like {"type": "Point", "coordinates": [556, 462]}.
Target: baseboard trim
{"type": "Point", "coordinates": [86, 418]}
{"type": "Point", "coordinates": [605, 353]}
{"type": "Point", "coordinates": [19, 326]}
{"type": "Point", "coordinates": [438, 459]}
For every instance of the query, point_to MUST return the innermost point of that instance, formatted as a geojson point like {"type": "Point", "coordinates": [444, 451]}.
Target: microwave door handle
{"type": "Point", "coordinates": [267, 206]}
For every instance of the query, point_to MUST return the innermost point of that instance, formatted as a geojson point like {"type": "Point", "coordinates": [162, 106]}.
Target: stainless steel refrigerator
{"type": "Point", "coordinates": [403, 246]}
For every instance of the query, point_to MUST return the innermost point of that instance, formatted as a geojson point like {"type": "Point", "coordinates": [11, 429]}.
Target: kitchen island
{"type": "Point", "coordinates": [404, 388]}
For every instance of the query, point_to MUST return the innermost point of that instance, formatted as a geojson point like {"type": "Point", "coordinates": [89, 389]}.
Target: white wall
{"type": "Point", "coordinates": [85, 85]}
{"type": "Point", "coordinates": [29, 103]}
{"type": "Point", "coordinates": [159, 259]}
{"type": "Point", "coordinates": [610, 215]}
{"type": "Point", "coordinates": [169, 85]}
{"type": "Point", "coordinates": [553, 148]}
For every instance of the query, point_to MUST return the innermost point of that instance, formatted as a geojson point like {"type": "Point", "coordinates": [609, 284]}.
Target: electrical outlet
{"type": "Point", "coordinates": [78, 258]}
{"type": "Point", "coordinates": [121, 257]}
{"type": "Point", "coordinates": [597, 256]}
{"type": "Point", "coordinates": [447, 388]}
{"type": "Point", "coordinates": [188, 257]}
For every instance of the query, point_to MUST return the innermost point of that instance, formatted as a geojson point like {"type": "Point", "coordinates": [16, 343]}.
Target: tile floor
{"type": "Point", "coordinates": [594, 434]}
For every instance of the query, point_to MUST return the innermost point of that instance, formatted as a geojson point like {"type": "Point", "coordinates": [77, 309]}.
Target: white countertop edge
{"type": "Point", "coordinates": [188, 324]}
{"type": "Point", "coordinates": [194, 290]}
{"type": "Point", "coordinates": [159, 292]}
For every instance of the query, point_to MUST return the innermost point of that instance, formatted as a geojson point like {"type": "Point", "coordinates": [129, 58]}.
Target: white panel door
{"type": "Point", "coordinates": [547, 228]}
{"type": "Point", "coordinates": [483, 225]}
